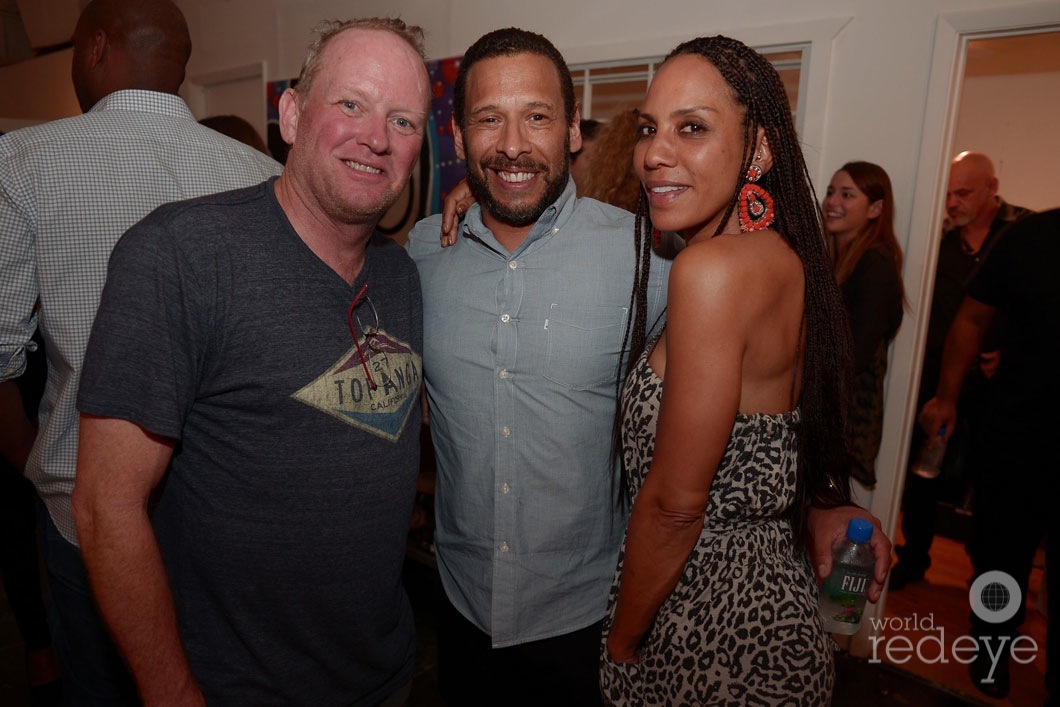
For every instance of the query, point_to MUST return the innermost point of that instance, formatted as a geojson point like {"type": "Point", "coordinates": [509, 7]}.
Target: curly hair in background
{"type": "Point", "coordinates": [611, 178]}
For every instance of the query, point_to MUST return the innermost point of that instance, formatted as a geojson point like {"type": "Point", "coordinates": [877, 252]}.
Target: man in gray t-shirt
{"type": "Point", "coordinates": [259, 351]}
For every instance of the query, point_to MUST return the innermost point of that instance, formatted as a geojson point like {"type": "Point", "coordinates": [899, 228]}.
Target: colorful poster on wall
{"type": "Point", "coordinates": [447, 170]}
{"type": "Point", "coordinates": [438, 170]}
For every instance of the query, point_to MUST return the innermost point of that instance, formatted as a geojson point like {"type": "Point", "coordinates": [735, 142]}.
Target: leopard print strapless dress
{"type": "Point", "coordinates": [741, 627]}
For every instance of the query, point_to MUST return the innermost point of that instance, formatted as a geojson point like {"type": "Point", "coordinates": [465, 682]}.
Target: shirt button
{"type": "Point", "coordinates": [503, 374]}
{"type": "Point", "coordinates": [504, 547]}
{"type": "Point", "coordinates": [505, 432]}
{"type": "Point", "coordinates": [505, 488]}
{"type": "Point", "coordinates": [555, 230]}
{"type": "Point", "coordinates": [505, 318]}
{"type": "Point", "coordinates": [512, 265]}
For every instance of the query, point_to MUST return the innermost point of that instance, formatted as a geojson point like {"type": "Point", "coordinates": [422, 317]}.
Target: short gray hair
{"type": "Point", "coordinates": [329, 29]}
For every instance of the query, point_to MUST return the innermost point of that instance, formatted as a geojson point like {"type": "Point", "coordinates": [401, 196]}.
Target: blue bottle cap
{"type": "Point", "coordinates": [859, 530]}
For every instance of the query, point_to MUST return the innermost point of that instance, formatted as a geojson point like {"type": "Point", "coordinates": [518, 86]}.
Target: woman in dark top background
{"type": "Point", "coordinates": [859, 223]}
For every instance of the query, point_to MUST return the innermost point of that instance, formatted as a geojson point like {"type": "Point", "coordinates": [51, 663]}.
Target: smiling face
{"type": "Point", "coordinates": [515, 138]}
{"type": "Point", "coordinates": [357, 134]}
{"type": "Point", "coordinates": [691, 147]}
{"type": "Point", "coordinates": [847, 210]}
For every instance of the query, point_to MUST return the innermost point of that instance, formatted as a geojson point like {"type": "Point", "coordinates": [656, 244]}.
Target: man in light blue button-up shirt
{"type": "Point", "coordinates": [524, 328]}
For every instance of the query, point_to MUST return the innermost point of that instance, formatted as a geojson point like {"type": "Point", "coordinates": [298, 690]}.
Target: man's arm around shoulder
{"type": "Point", "coordinates": [118, 466]}
{"type": "Point", "coordinates": [424, 238]}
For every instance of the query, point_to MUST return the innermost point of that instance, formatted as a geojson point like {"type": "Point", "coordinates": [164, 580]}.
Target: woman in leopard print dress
{"type": "Point", "coordinates": [732, 417]}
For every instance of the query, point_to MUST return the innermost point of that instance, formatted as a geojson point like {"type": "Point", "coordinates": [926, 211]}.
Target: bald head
{"type": "Point", "coordinates": [129, 44]}
{"type": "Point", "coordinates": [970, 197]}
{"type": "Point", "coordinates": [973, 163]}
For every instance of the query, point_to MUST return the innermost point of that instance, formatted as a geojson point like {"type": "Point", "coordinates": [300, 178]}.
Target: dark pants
{"type": "Point", "coordinates": [960, 468]}
{"type": "Point", "coordinates": [920, 502]}
{"type": "Point", "coordinates": [93, 671]}
{"type": "Point", "coordinates": [1014, 509]}
{"type": "Point", "coordinates": [554, 672]}
{"type": "Point", "coordinates": [19, 561]}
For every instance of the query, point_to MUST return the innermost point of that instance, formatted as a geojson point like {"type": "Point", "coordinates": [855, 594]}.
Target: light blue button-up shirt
{"type": "Point", "coordinates": [521, 352]}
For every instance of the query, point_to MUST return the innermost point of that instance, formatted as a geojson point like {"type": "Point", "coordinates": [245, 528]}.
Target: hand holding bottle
{"type": "Point", "coordinates": [938, 414]}
{"type": "Point", "coordinates": [842, 595]}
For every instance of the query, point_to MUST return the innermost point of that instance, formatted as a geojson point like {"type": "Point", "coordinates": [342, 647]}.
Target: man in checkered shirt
{"type": "Point", "coordinates": [68, 190]}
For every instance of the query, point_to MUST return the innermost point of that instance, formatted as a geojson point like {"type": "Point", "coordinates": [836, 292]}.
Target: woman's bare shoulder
{"type": "Point", "coordinates": [745, 263]}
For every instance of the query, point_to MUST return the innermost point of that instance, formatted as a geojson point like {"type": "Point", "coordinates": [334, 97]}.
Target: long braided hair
{"type": "Point", "coordinates": [823, 477]}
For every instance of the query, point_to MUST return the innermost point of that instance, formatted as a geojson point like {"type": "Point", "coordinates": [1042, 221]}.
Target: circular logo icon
{"type": "Point", "coordinates": [995, 596]}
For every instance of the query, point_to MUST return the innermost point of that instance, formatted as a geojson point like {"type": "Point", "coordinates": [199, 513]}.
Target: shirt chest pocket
{"type": "Point", "coordinates": [583, 344]}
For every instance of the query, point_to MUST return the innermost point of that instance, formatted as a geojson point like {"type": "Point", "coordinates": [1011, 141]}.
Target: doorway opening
{"type": "Point", "coordinates": [995, 92]}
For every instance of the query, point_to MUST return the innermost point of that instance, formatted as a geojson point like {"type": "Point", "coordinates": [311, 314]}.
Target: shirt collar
{"type": "Point", "coordinates": [554, 218]}
{"type": "Point", "coordinates": [144, 102]}
{"type": "Point", "coordinates": [1007, 213]}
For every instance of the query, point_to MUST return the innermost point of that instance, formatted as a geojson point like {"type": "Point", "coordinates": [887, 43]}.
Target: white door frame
{"type": "Point", "coordinates": [195, 88]}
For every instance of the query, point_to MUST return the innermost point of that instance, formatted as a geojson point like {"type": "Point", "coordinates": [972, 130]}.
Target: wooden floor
{"type": "Point", "coordinates": [943, 599]}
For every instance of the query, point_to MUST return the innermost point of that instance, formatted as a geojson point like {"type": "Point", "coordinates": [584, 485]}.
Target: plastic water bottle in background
{"type": "Point", "coordinates": [929, 461]}
{"type": "Point", "coordinates": [842, 597]}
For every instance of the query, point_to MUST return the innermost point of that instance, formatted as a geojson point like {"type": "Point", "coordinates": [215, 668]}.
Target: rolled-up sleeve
{"type": "Point", "coordinates": [19, 291]}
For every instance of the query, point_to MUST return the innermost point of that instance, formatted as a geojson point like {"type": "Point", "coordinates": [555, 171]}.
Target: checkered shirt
{"type": "Point", "coordinates": [68, 190]}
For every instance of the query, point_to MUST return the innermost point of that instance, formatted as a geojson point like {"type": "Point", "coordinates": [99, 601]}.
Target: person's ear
{"type": "Point", "coordinates": [875, 209]}
{"type": "Point", "coordinates": [992, 186]}
{"type": "Point", "coordinates": [575, 128]}
{"type": "Point", "coordinates": [97, 49]}
{"type": "Point", "coordinates": [290, 112]}
{"type": "Point", "coordinates": [763, 156]}
{"type": "Point", "coordinates": [458, 138]}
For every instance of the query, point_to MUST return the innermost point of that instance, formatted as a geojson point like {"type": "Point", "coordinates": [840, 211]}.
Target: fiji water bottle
{"type": "Point", "coordinates": [842, 595]}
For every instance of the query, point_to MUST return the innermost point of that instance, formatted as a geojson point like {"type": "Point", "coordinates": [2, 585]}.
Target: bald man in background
{"type": "Point", "coordinates": [1016, 450]}
{"type": "Point", "coordinates": [68, 190]}
{"type": "Point", "coordinates": [976, 216]}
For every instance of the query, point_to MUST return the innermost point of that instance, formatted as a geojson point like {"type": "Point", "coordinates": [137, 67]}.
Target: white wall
{"type": "Point", "coordinates": [1023, 143]}
{"type": "Point", "coordinates": [38, 89]}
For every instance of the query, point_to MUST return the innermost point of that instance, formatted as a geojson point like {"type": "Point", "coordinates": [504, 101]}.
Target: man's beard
{"type": "Point", "coordinates": [517, 215]}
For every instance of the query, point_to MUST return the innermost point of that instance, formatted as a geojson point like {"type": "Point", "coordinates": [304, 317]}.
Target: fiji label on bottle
{"type": "Point", "coordinates": [854, 583]}
{"type": "Point", "coordinates": [843, 598]}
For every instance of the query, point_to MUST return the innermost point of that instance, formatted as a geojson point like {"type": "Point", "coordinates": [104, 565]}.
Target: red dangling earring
{"type": "Point", "coordinates": [756, 205]}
